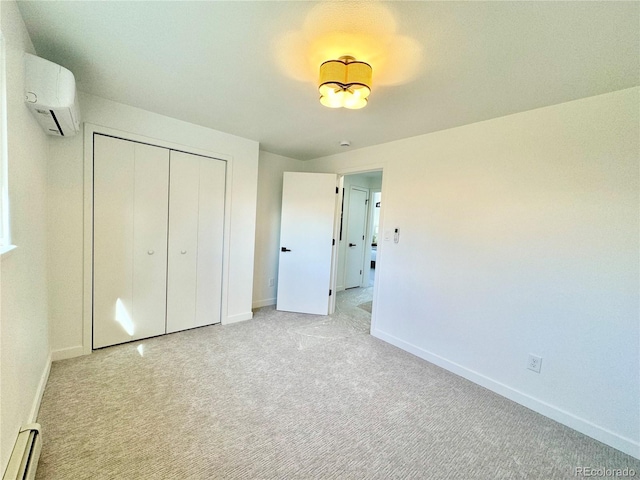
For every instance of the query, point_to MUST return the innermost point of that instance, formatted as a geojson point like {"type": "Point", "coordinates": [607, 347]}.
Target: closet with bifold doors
{"type": "Point", "coordinates": [158, 235]}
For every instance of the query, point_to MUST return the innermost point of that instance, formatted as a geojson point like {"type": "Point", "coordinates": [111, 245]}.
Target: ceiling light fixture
{"type": "Point", "coordinates": [345, 82]}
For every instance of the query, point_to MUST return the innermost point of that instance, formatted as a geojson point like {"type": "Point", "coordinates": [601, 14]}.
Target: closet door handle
{"type": "Point", "coordinates": [150, 252]}
{"type": "Point", "coordinates": [352, 244]}
{"type": "Point", "coordinates": [284, 249]}
{"type": "Point", "coordinates": [183, 252]}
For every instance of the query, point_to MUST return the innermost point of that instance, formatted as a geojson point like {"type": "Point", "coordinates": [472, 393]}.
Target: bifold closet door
{"type": "Point", "coordinates": [196, 233]}
{"type": "Point", "coordinates": [130, 240]}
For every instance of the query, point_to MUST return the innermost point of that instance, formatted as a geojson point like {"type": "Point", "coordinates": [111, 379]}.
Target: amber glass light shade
{"type": "Point", "coordinates": [345, 82]}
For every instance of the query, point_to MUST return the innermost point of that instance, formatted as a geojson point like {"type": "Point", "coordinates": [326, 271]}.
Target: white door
{"type": "Point", "coordinates": [196, 221]}
{"type": "Point", "coordinates": [210, 241]}
{"type": "Point", "coordinates": [130, 240]}
{"type": "Point", "coordinates": [356, 230]}
{"type": "Point", "coordinates": [306, 242]}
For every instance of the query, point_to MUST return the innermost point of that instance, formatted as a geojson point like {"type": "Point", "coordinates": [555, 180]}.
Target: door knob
{"type": "Point", "coordinates": [352, 244]}
{"type": "Point", "coordinates": [284, 249]}
{"type": "Point", "coordinates": [150, 252]}
{"type": "Point", "coordinates": [183, 252]}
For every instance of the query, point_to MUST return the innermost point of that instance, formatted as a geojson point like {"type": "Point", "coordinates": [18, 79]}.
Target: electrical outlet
{"type": "Point", "coordinates": [534, 363]}
{"type": "Point", "coordinates": [272, 282]}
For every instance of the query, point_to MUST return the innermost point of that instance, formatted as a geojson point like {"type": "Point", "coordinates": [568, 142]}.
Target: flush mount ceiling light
{"type": "Point", "coordinates": [345, 82]}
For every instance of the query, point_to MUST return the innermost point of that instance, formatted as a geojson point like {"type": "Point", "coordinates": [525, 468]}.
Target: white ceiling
{"type": "Point", "coordinates": [249, 68]}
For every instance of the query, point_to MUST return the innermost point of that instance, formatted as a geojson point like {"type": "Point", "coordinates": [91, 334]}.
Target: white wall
{"type": "Point", "coordinates": [271, 168]}
{"type": "Point", "coordinates": [65, 228]}
{"type": "Point", "coordinates": [24, 326]}
{"type": "Point", "coordinates": [519, 235]}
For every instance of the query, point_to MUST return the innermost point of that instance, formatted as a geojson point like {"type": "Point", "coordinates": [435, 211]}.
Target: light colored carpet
{"type": "Point", "coordinates": [290, 396]}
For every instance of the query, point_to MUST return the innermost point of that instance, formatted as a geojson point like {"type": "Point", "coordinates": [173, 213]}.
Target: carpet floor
{"type": "Point", "coordinates": [292, 396]}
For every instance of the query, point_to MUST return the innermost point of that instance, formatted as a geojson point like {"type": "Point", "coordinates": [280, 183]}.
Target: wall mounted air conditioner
{"type": "Point", "coordinates": [50, 94]}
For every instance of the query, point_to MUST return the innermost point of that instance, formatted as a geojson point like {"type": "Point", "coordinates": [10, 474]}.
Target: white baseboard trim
{"type": "Point", "coordinates": [240, 317]}
{"type": "Point", "coordinates": [37, 400]}
{"type": "Point", "coordinates": [626, 445]}
{"type": "Point", "coordinates": [264, 303]}
{"type": "Point", "coordinates": [69, 352]}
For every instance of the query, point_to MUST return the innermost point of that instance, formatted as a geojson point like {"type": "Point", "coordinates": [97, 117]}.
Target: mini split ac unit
{"type": "Point", "coordinates": [50, 94]}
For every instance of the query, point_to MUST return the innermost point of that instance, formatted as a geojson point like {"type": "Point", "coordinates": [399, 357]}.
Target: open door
{"type": "Point", "coordinates": [306, 242]}
{"type": "Point", "coordinates": [356, 243]}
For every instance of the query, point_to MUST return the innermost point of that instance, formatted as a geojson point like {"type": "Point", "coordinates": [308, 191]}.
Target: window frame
{"type": "Point", "coordinates": [5, 226]}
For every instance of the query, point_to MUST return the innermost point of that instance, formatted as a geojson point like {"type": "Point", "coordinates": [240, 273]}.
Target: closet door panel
{"type": "Point", "coordinates": [150, 220]}
{"type": "Point", "coordinates": [112, 241]}
{"type": "Point", "coordinates": [183, 241]}
{"type": "Point", "coordinates": [130, 220]}
{"type": "Point", "coordinates": [210, 241]}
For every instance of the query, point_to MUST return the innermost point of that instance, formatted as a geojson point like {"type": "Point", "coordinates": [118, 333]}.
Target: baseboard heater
{"type": "Point", "coordinates": [26, 453]}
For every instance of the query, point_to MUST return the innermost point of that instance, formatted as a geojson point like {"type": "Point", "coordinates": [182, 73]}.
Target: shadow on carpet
{"type": "Point", "coordinates": [366, 306]}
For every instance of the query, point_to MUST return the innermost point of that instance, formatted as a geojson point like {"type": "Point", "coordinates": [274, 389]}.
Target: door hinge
{"type": "Point", "coordinates": [337, 190]}
{"type": "Point", "coordinates": [366, 201]}
{"type": "Point", "coordinates": [360, 272]}
{"type": "Point", "coordinates": [334, 242]}
{"type": "Point", "coordinates": [329, 292]}
{"type": "Point", "coordinates": [363, 237]}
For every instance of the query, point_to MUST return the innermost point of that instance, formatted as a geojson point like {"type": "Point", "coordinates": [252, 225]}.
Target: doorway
{"type": "Point", "coordinates": [345, 229]}
{"type": "Point", "coordinates": [358, 232]}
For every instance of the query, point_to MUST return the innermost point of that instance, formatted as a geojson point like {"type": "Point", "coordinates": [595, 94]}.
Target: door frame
{"type": "Point", "coordinates": [87, 254]}
{"type": "Point", "coordinates": [378, 284]}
